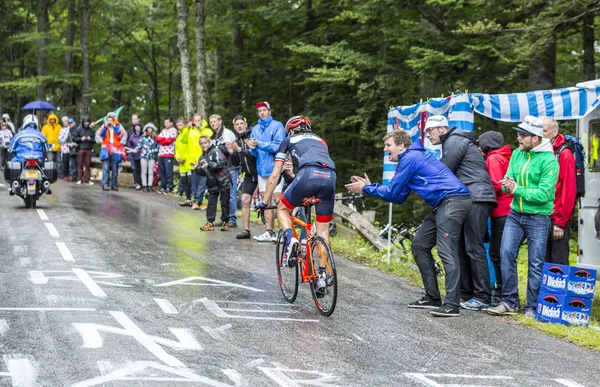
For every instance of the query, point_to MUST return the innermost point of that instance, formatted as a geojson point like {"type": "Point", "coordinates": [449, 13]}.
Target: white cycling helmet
{"type": "Point", "coordinates": [30, 120]}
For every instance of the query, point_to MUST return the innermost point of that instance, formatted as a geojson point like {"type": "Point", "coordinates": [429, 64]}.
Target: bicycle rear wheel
{"type": "Point", "coordinates": [324, 291]}
{"type": "Point", "coordinates": [287, 270]}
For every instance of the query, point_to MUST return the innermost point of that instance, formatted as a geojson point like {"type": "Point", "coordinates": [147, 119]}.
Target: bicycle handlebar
{"type": "Point", "coordinates": [261, 213]}
{"type": "Point", "coordinates": [350, 197]}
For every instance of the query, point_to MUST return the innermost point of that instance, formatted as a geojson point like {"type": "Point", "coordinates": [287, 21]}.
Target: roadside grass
{"type": "Point", "coordinates": [361, 251]}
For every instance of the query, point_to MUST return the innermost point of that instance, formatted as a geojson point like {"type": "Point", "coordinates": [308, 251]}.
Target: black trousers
{"type": "Point", "coordinates": [443, 227]}
{"type": "Point", "coordinates": [211, 210]}
{"type": "Point", "coordinates": [495, 243]}
{"type": "Point", "coordinates": [474, 269]}
{"type": "Point", "coordinates": [558, 251]}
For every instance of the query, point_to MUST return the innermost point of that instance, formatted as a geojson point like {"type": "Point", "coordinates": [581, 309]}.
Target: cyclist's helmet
{"type": "Point", "coordinates": [298, 124]}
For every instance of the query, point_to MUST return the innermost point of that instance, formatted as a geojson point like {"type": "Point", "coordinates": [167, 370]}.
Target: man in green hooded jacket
{"type": "Point", "coordinates": [531, 177]}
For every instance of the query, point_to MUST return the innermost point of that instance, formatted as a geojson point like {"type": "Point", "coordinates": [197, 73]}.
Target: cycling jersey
{"type": "Point", "coordinates": [306, 150]}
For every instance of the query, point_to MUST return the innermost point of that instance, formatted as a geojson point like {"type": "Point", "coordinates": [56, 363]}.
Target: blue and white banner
{"type": "Point", "coordinates": [412, 118]}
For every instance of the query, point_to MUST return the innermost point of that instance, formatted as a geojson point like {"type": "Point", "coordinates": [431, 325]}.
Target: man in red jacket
{"type": "Point", "coordinates": [566, 195]}
{"type": "Point", "coordinates": [497, 155]}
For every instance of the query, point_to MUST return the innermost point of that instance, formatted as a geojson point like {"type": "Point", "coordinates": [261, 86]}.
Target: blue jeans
{"type": "Point", "coordinates": [198, 187]}
{"type": "Point", "coordinates": [165, 168]}
{"type": "Point", "coordinates": [235, 173]}
{"type": "Point", "coordinates": [107, 165]}
{"type": "Point", "coordinates": [519, 227]}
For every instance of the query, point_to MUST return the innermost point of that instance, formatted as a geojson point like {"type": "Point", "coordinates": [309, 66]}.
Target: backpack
{"type": "Point", "coordinates": [575, 146]}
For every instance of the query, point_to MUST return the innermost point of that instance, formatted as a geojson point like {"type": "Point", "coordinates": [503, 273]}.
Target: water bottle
{"type": "Point", "coordinates": [303, 248]}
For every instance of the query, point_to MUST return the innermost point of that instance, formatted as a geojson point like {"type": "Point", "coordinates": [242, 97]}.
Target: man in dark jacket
{"type": "Point", "coordinates": [425, 175]}
{"type": "Point", "coordinates": [85, 138]}
{"type": "Point", "coordinates": [242, 158]}
{"type": "Point", "coordinates": [218, 182]}
{"type": "Point", "coordinates": [462, 157]}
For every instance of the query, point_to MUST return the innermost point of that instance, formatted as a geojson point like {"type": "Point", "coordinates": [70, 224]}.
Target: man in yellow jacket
{"type": "Point", "coordinates": [185, 170]}
{"type": "Point", "coordinates": [51, 131]}
{"type": "Point", "coordinates": [199, 128]}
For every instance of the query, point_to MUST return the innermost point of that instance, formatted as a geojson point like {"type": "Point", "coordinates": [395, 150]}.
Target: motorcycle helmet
{"type": "Point", "coordinates": [30, 121]}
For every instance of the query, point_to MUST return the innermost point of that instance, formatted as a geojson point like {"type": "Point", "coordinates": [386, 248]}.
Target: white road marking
{"type": "Point", "coordinates": [49, 309]}
{"type": "Point", "coordinates": [25, 262]}
{"type": "Point", "coordinates": [3, 327]}
{"type": "Point", "coordinates": [568, 383]}
{"type": "Point", "coordinates": [64, 251]}
{"type": "Point", "coordinates": [255, 303]}
{"type": "Point", "coordinates": [166, 306]}
{"type": "Point", "coordinates": [20, 370]}
{"type": "Point", "coordinates": [254, 363]}
{"type": "Point", "coordinates": [425, 378]}
{"type": "Point", "coordinates": [190, 281]}
{"type": "Point", "coordinates": [2, 185]}
{"type": "Point", "coordinates": [216, 333]}
{"type": "Point", "coordinates": [42, 215]}
{"type": "Point", "coordinates": [52, 230]}
{"type": "Point", "coordinates": [284, 377]}
{"type": "Point", "coordinates": [219, 312]}
{"type": "Point", "coordinates": [89, 283]}
{"type": "Point", "coordinates": [90, 333]}
{"type": "Point", "coordinates": [256, 310]}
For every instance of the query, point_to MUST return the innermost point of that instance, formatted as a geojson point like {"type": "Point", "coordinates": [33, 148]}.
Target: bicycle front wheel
{"type": "Point", "coordinates": [324, 290]}
{"type": "Point", "coordinates": [287, 270]}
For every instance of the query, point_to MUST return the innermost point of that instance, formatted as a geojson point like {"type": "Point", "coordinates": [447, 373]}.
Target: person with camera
{"type": "Point", "coordinates": [218, 183]}
{"type": "Point", "coordinates": [198, 128]}
{"type": "Point", "coordinates": [111, 152]}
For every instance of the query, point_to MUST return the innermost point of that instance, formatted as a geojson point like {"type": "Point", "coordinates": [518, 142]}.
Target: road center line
{"type": "Point", "coordinates": [166, 306]}
{"type": "Point", "coordinates": [568, 383]}
{"type": "Point", "coordinates": [42, 214]}
{"type": "Point", "coordinates": [89, 283]}
{"type": "Point", "coordinates": [49, 309]}
{"type": "Point", "coordinates": [52, 230]}
{"type": "Point", "coordinates": [3, 327]}
{"type": "Point", "coordinates": [2, 185]}
{"type": "Point", "coordinates": [64, 251]}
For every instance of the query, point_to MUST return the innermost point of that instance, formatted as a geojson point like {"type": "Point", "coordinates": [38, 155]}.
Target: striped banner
{"type": "Point", "coordinates": [412, 119]}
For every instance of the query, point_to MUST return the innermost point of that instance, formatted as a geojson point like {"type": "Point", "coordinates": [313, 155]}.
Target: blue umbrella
{"type": "Point", "coordinates": [39, 105]}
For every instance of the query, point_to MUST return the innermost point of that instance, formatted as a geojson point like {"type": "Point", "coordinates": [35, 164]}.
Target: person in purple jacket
{"type": "Point", "coordinates": [428, 177]}
{"type": "Point", "coordinates": [135, 158]}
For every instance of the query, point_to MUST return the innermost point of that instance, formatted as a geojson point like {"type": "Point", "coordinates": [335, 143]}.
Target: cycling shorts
{"type": "Point", "coordinates": [249, 186]}
{"type": "Point", "coordinates": [312, 181]}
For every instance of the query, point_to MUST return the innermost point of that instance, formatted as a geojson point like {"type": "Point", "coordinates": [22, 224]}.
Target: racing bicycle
{"type": "Point", "coordinates": [314, 263]}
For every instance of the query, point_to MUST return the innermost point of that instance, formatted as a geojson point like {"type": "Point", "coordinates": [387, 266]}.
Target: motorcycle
{"type": "Point", "coordinates": [30, 180]}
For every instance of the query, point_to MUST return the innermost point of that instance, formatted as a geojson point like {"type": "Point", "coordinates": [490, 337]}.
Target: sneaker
{"type": "Point", "coordinates": [105, 188]}
{"type": "Point", "coordinates": [195, 206]}
{"type": "Point", "coordinates": [474, 304]}
{"type": "Point", "coordinates": [530, 314]}
{"type": "Point", "coordinates": [273, 236]}
{"type": "Point", "coordinates": [267, 236]}
{"type": "Point", "coordinates": [90, 183]}
{"type": "Point", "coordinates": [203, 207]}
{"type": "Point", "coordinates": [425, 303]}
{"type": "Point", "coordinates": [218, 223]}
{"type": "Point", "coordinates": [78, 182]}
{"type": "Point", "coordinates": [232, 224]}
{"type": "Point", "coordinates": [114, 188]}
{"type": "Point", "coordinates": [495, 301]}
{"type": "Point", "coordinates": [138, 187]}
{"type": "Point", "coordinates": [243, 235]}
{"type": "Point", "coordinates": [225, 226]}
{"type": "Point", "coordinates": [446, 311]}
{"type": "Point", "coordinates": [187, 203]}
{"type": "Point", "coordinates": [207, 227]}
{"type": "Point", "coordinates": [292, 248]}
{"type": "Point", "coordinates": [503, 309]}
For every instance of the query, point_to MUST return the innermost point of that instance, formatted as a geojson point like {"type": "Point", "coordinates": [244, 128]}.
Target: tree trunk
{"type": "Point", "coordinates": [43, 26]}
{"type": "Point", "coordinates": [237, 52]}
{"type": "Point", "coordinates": [85, 57]}
{"type": "Point", "coordinates": [542, 70]}
{"type": "Point", "coordinates": [308, 27]}
{"type": "Point", "coordinates": [589, 68]}
{"type": "Point", "coordinates": [184, 51]}
{"type": "Point", "coordinates": [68, 60]}
{"type": "Point", "coordinates": [201, 89]}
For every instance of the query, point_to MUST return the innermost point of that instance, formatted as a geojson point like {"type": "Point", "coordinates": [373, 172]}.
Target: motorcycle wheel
{"type": "Point", "coordinates": [30, 202]}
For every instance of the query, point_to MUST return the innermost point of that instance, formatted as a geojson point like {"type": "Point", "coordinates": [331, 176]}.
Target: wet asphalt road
{"type": "Point", "coordinates": [122, 289]}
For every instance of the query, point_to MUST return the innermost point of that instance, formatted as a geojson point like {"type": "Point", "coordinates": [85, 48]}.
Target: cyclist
{"type": "Point", "coordinates": [316, 177]}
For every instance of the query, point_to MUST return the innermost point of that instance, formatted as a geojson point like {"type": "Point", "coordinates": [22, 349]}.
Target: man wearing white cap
{"type": "Point", "coordinates": [9, 122]}
{"type": "Point", "coordinates": [461, 155]}
{"type": "Point", "coordinates": [532, 175]}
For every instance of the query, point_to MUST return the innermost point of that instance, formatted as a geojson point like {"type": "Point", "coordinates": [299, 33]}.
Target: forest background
{"type": "Point", "coordinates": [341, 62]}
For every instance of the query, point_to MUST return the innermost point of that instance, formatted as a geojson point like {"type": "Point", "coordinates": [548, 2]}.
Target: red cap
{"type": "Point", "coordinates": [263, 104]}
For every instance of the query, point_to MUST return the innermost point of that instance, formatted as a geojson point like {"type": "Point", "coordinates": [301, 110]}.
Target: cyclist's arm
{"type": "Point", "coordinates": [273, 181]}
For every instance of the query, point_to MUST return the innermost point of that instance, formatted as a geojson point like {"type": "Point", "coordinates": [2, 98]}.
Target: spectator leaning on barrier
{"type": "Point", "coordinates": [242, 158]}
{"type": "Point", "coordinates": [85, 137]}
{"type": "Point", "coordinates": [166, 153]}
{"type": "Point", "coordinates": [425, 175]}
{"type": "Point", "coordinates": [134, 158]}
{"type": "Point", "coordinates": [110, 135]}
{"type": "Point", "coordinates": [264, 143]}
{"type": "Point", "coordinates": [462, 157]}
{"type": "Point", "coordinates": [564, 200]}
{"type": "Point", "coordinates": [497, 156]}
{"type": "Point", "coordinates": [531, 177]}
{"type": "Point", "coordinates": [51, 130]}
{"type": "Point", "coordinates": [221, 138]}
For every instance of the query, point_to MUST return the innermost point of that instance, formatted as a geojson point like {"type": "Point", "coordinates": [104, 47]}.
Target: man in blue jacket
{"type": "Point", "coordinates": [425, 175]}
{"type": "Point", "coordinates": [264, 143]}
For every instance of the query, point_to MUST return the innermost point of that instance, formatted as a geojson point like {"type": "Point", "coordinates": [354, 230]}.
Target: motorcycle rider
{"type": "Point", "coordinates": [29, 143]}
